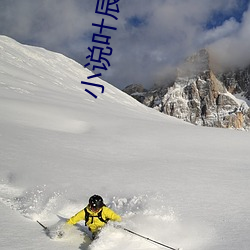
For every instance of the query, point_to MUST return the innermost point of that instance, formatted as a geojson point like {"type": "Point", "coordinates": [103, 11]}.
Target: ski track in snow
{"type": "Point", "coordinates": [145, 214]}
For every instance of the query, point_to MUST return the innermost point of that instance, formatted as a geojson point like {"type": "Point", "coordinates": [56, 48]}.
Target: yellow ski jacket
{"type": "Point", "coordinates": [94, 223]}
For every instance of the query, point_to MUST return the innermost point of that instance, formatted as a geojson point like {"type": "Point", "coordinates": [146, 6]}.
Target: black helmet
{"type": "Point", "coordinates": [95, 202]}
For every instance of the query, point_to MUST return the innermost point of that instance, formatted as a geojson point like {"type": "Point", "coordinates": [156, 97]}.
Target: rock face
{"type": "Point", "coordinates": [201, 97]}
{"type": "Point", "coordinates": [137, 91]}
{"type": "Point", "coordinates": [237, 81]}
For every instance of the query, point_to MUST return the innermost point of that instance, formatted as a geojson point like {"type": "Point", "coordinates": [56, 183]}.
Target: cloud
{"type": "Point", "coordinates": [172, 31]}
{"type": "Point", "coordinates": [228, 28]}
{"type": "Point", "coordinates": [233, 49]}
{"type": "Point", "coordinates": [53, 24]}
{"type": "Point", "coordinates": [151, 37]}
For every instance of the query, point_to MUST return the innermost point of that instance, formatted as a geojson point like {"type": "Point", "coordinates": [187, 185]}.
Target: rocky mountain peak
{"type": "Point", "coordinates": [202, 97]}
{"type": "Point", "coordinates": [196, 64]}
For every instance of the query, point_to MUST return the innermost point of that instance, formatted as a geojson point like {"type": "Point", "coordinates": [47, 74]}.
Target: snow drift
{"type": "Point", "coordinates": [182, 185]}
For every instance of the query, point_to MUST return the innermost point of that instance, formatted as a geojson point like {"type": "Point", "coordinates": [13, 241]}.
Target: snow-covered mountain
{"type": "Point", "coordinates": [201, 96]}
{"type": "Point", "coordinates": [182, 185]}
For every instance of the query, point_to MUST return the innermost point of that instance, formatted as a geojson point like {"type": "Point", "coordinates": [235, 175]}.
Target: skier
{"type": "Point", "coordinates": [95, 214]}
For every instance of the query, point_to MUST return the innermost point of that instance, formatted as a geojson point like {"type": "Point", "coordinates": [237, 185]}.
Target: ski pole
{"type": "Point", "coordinates": [146, 238]}
{"type": "Point", "coordinates": [45, 228]}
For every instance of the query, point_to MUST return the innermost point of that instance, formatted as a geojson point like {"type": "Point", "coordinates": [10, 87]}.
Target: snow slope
{"type": "Point", "coordinates": [179, 184]}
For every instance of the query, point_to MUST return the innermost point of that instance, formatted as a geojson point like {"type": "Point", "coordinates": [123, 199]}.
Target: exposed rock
{"type": "Point", "coordinates": [137, 91]}
{"type": "Point", "coordinates": [201, 97]}
{"type": "Point", "coordinates": [133, 88]}
{"type": "Point", "coordinates": [237, 81]}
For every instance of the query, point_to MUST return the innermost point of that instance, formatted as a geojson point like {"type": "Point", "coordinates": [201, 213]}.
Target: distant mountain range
{"type": "Point", "coordinates": [201, 94]}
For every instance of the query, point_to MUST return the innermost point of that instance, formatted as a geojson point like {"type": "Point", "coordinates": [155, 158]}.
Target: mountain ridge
{"type": "Point", "coordinates": [201, 95]}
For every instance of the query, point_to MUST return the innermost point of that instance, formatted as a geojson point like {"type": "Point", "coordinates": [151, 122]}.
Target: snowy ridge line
{"type": "Point", "coordinates": [37, 72]}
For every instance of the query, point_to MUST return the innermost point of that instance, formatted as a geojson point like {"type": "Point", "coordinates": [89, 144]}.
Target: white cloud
{"type": "Point", "coordinates": [228, 28]}
{"type": "Point", "coordinates": [170, 31]}
{"type": "Point", "coordinates": [233, 50]}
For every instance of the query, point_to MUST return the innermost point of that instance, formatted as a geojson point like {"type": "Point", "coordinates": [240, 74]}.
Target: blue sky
{"type": "Point", "coordinates": [219, 17]}
{"type": "Point", "coordinates": [152, 36]}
